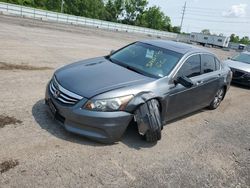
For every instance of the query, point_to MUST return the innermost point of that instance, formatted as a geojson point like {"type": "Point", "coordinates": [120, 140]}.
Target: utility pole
{"type": "Point", "coordinates": [62, 3]}
{"type": "Point", "coordinates": [183, 14]}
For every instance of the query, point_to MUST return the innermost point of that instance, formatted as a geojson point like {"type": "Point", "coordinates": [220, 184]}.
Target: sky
{"type": "Point", "coordinates": [219, 16]}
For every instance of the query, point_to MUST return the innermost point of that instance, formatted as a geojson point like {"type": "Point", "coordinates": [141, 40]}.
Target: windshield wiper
{"type": "Point", "coordinates": [130, 67]}
{"type": "Point", "coordinates": [133, 69]}
{"type": "Point", "coordinates": [108, 58]}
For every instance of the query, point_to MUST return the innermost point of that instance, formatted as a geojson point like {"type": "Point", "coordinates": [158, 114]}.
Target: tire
{"type": "Point", "coordinates": [217, 99]}
{"type": "Point", "coordinates": [149, 113]}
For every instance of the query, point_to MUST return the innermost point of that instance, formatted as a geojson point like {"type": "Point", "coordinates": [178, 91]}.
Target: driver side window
{"type": "Point", "coordinates": [192, 67]}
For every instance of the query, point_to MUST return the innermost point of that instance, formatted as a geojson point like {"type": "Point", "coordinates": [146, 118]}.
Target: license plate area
{"type": "Point", "coordinates": [52, 108]}
{"type": "Point", "coordinates": [54, 112]}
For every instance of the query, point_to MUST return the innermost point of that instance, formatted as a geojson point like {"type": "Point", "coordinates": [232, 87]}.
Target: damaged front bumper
{"type": "Point", "coordinates": [106, 127]}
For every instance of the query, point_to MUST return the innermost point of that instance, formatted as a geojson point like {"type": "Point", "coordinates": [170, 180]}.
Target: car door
{"type": "Point", "coordinates": [182, 100]}
{"type": "Point", "coordinates": [211, 77]}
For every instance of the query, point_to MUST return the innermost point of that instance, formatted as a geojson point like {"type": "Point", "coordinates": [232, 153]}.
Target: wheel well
{"type": "Point", "coordinates": [158, 100]}
{"type": "Point", "coordinates": [225, 90]}
{"type": "Point", "coordinates": [160, 105]}
{"type": "Point", "coordinates": [148, 119]}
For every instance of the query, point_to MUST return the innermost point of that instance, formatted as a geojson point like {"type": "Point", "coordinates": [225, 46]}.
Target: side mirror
{"type": "Point", "coordinates": [111, 52]}
{"type": "Point", "coordinates": [185, 81]}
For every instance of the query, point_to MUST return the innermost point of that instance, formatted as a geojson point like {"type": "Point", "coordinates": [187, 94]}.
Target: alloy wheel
{"type": "Point", "coordinates": [218, 98]}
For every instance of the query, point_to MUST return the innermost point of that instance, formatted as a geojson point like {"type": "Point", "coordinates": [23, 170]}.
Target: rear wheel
{"type": "Point", "coordinates": [217, 99]}
{"type": "Point", "coordinates": [149, 117]}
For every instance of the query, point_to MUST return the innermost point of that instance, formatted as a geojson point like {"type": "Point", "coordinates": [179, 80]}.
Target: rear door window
{"type": "Point", "coordinates": [192, 67]}
{"type": "Point", "coordinates": [208, 63]}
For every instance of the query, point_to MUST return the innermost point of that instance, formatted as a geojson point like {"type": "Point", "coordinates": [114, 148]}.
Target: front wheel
{"type": "Point", "coordinates": [217, 99]}
{"type": "Point", "coordinates": [149, 117]}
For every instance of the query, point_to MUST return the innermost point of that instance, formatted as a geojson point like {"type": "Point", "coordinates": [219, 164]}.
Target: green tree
{"type": "Point", "coordinates": [234, 38]}
{"type": "Point", "coordinates": [39, 3]}
{"type": "Point", "coordinates": [20, 2]}
{"type": "Point", "coordinates": [86, 8]}
{"type": "Point", "coordinates": [113, 10]}
{"type": "Point", "coordinates": [131, 12]}
{"type": "Point", "coordinates": [176, 29]}
{"type": "Point", "coordinates": [245, 40]}
{"type": "Point", "coordinates": [154, 18]}
{"type": "Point", "coordinates": [133, 8]}
{"type": "Point", "coordinates": [206, 31]}
{"type": "Point", "coordinates": [53, 5]}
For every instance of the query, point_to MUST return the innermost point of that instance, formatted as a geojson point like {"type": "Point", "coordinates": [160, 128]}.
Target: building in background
{"type": "Point", "coordinates": [238, 46]}
{"type": "Point", "coordinates": [213, 40]}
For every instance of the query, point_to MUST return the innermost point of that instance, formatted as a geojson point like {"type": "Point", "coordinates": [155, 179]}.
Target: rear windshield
{"type": "Point", "coordinates": [147, 59]}
{"type": "Point", "coordinates": [245, 58]}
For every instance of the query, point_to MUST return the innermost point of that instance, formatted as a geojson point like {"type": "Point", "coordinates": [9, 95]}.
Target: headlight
{"type": "Point", "coordinates": [108, 105]}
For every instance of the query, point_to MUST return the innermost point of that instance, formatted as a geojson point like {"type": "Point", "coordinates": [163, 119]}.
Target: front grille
{"type": "Point", "coordinates": [63, 95]}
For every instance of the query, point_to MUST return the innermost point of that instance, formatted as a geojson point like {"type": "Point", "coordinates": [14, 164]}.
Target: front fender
{"type": "Point", "coordinates": [143, 116]}
{"type": "Point", "coordinates": [139, 99]}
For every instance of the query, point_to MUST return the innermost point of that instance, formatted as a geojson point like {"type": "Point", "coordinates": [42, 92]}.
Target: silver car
{"type": "Point", "coordinates": [240, 66]}
{"type": "Point", "coordinates": [148, 82]}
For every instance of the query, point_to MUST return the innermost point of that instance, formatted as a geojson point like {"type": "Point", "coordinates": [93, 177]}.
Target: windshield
{"type": "Point", "coordinates": [245, 58]}
{"type": "Point", "coordinates": [147, 59]}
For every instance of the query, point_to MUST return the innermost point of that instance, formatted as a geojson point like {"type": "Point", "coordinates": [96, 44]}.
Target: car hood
{"type": "Point", "coordinates": [238, 65]}
{"type": "Point", "coordinates": [91, 77]}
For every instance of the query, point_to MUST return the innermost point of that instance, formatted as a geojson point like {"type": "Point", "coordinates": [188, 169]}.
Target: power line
{"type": "Point", "coordinates": [218, 16]}
{"type": "Point", "coordinates": [200, 14]}
{"type": "Point", "coordinates": [202, 8]}
{"type": "Point", "coordinates": [183, 14]}
{"type": "Point", "coordinates": [217, 21]}
{"type": "Point", "coordinates": [62, 3]}
{"type": "Point", "coordinates": [203, 11]}
{"type": "Point", "coordinates": [222, 30]}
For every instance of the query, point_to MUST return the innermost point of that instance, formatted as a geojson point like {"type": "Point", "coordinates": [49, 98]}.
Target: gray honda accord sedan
{"type": "Point", "coordinates": [148, 82]}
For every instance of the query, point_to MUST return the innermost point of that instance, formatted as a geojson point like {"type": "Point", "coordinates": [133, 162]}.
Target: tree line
{"type": "Point", "coordinates": [132, 12]}
{"type": "Point", "coordinates": [236, 39]}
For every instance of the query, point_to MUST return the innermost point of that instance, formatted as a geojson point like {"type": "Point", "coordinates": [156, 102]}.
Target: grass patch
{"type": "Point", "coordinates": [8, 66]}
{"type": "Point", "coordinates": [7, 165]}
{"type": "Point", "coordinates": [7, 120]}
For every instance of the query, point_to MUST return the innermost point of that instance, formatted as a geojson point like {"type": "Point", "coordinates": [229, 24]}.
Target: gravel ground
{"type": "Point", "coordinates": [205, 149]}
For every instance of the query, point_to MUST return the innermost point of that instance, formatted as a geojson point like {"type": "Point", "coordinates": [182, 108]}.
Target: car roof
{"type": "Point", "coordinates": [175, 46]}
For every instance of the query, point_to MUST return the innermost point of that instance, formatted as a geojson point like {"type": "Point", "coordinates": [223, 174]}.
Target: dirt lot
{"type": "Point", "coordinates": [207, 149]}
